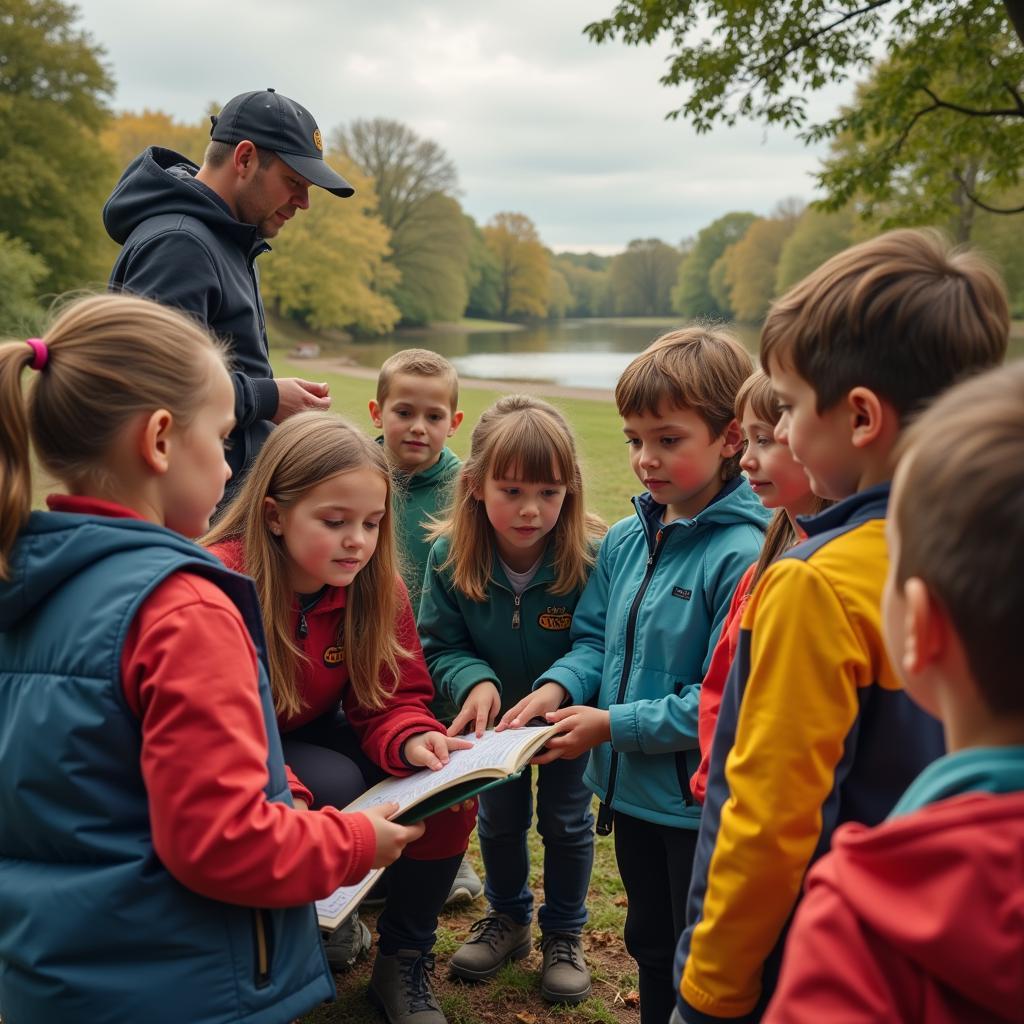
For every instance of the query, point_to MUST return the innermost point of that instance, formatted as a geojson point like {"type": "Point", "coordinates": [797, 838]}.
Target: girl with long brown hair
{"type": "Point", "coordinates": [312, 525]}
{"type": "Point", "coordinates": [502, 583]}
{"type": "Point", "coordinates": [781, 484]}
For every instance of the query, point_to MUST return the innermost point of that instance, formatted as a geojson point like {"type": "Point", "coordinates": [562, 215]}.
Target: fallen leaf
{"type": "Point", "coordinates": [529, 1018]}
{"type": "Point", "coordinates": [621, 901]}
{"type": "Point", "coordinates": [632, 999]}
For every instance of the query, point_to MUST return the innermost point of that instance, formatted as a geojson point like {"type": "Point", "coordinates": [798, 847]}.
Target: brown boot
{"type": "Point", "coordinates": [565, 977]}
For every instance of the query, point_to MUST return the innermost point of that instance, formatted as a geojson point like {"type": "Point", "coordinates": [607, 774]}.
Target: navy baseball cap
{"type": "Point", "coordinates": [272, 121]}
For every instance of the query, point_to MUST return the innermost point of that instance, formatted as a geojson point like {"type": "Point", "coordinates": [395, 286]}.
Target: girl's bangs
{"type": "Point", "coordinates": [530, 448]}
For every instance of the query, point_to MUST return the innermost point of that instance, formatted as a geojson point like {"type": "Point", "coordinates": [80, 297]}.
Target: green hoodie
{"type": "Point", "coordinates": [417, 499]}
{"type": "Point", "coordinates": [505, 639]}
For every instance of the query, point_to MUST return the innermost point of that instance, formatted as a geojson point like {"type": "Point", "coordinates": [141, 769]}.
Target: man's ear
{"type": "Point", "coordinates": [456, 420]}
{"type": "Point", "coordinates": [272, 517]}
{"type": "Point", "coordinates": [245, 159]}
{"type": "Point", "coordinates": [871, 417]}
{"type": "Point", "coordinates": [376, 413]}
{"type": "Point", "coordinates": [155, 441]}
{"type": "Point", "coordinates": [732, 439]}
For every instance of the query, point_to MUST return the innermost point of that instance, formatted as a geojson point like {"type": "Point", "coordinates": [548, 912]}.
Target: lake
{"type": "Point", "coordinates": [570, 353]}
{"type": "Point", "coordinates": [586, 354]}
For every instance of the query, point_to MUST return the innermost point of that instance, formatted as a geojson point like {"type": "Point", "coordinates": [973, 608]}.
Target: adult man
{"type": "Point", "coordinates": [191, 236]}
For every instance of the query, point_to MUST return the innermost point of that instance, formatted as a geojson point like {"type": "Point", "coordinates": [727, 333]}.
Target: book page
{"type": "Point", "coordinates": [493, 751]}
{"type": "Point", "coordinates": [332, 910]}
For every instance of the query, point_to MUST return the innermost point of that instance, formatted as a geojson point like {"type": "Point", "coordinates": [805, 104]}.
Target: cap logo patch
{"type": "Point", "coordinates": [318, 140]}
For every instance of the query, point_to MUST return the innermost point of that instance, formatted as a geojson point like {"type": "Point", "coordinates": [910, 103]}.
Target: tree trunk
{"type": "Point", "coordinates": [1015, 11]}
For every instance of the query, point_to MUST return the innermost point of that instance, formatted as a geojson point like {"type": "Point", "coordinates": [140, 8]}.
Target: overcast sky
{"type": "Point", "coordinates": [536, 118]}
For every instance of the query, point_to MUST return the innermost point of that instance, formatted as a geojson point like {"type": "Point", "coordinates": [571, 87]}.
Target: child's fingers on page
{"type": "Point", "coordinates": [460, 721]}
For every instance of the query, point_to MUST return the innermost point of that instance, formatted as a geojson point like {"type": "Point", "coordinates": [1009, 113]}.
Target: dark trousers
{"type": "Point", "coordinates": [566, 826]}
{"type": "Point", "coordinates": [326, 756]}
{"type": "Point", "coordinates": [655, 862]}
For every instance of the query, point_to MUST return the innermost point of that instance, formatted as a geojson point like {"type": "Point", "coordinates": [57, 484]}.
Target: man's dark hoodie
{"type": "Point", "coordinates": [184, 248]}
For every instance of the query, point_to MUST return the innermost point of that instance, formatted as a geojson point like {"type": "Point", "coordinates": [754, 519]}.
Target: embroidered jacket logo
{"type": "Point", "coordinates": [682, 592]}
{"type": "Point", "coordinates": [555, 618]}
{"type": "Point", "coordinates": [334, 655]}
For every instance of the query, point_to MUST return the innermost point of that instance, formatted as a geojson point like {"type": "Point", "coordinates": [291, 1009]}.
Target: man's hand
{"type": "Point", "coordinates": [583, 727]}
{"type": "Point", "coordinates": [481, 707]}
{"type": "Point", "coordinates": [297, 395]}
{"type": "Point", "coordinates": [430, 749]}
{"type": "Point", "coordinates": [537, 704]}
{"type": "Point", "coordinates": [391, 837]}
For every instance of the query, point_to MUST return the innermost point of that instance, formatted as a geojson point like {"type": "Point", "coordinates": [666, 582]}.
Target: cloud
{"type": "Point", "coordinates": [536, 118]}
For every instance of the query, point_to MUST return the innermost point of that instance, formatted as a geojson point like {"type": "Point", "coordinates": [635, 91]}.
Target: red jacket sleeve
{"type": "Point", "coordinates": [407, 712]}
{"type": "Point", "coordinates": [189, 672]}
{"type": "Point", "coordinates": [714, 683]}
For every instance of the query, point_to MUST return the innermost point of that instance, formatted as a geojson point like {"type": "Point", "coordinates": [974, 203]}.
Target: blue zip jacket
{"type": "Point", "coordinates": [92, 926]}
{"type": "Point", "coordinates": [642, 639]}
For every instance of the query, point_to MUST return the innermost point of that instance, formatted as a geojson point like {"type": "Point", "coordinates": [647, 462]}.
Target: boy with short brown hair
{"type": "Point", "coordinates": [814, 728]}
{"type": "Point", "coordinates": [921, 918]}
{"type": "Point", "coordinates": [416, 409]}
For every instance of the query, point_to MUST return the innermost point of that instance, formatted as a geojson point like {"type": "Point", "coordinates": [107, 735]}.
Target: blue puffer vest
{"type": "Point", "coordinates": [92, 926]}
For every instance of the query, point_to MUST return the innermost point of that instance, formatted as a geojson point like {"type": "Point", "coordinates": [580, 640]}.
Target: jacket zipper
{"type": "Point", "coordinates": [517, 598]}
{"type": "Point", "coordinates": [262, 948]}
{"type": "Point", "coordinates": [604, 813]}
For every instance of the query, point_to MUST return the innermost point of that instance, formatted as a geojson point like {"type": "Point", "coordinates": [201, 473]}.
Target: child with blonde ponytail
{"type": "Point", "coordinates": [501, 587]}
{"type": "Point", "coordinates": [312, 525]}
{"type": "Point", "coordinates": [153, 866]}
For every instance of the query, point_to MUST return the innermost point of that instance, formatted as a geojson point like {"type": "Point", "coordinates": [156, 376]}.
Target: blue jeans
{"type": "Point", "coordinates": [566, 827]}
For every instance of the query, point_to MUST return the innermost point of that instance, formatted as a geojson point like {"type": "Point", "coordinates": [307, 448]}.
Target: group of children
{"type": "Point", "coordinates": [181, 722]}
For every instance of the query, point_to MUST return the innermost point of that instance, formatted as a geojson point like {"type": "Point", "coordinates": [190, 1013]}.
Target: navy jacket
{"type": "Point", "coordinates": [92, 926]}
{"type": "Point", "coordinates": [184, 248]}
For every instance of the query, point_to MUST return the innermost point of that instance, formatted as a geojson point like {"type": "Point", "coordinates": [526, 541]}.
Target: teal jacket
{"type": "Point", "coordinates": [418, 498]}
{"type": "Point", "coordinates": [507, 639]}
{"type": "Point", "coordinates": [642, 639]}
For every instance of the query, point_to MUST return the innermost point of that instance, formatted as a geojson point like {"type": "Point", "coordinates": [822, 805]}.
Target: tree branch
{"type": "Point", "coordinates": [806, 40]}
{"type": "Point", "coordinates": [1014, 111]}
{"type": "Point", "coordinates": [977, 202]}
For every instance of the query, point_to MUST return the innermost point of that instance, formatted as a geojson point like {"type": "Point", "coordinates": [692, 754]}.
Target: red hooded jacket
{"type": "Point", "coordinates": [920, 919]}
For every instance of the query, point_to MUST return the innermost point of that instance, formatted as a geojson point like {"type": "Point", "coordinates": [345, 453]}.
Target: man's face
{"type": "Point", "coordinates": [270, 197]}
{"type": "Point", "coordinates": [820, 442]}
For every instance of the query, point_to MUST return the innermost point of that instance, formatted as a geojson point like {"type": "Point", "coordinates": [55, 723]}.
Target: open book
{"type": "Point", "coordinates": [494, 758]}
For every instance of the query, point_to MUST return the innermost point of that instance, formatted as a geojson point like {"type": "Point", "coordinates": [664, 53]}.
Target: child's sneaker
{"type": "Point", "coordinates": [400, 988]}
{"type": "Point", "coordinates": [467, 885]}
{"type": "Point", "coordinates": [565, 977]}
{"type": "Point", "coordinates": [495, 940]}
{"type": "Point", "coordinates": [349, 941]}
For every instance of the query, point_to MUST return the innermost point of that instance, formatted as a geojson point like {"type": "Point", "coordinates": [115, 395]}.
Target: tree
{"type": "Point", "coordinates": [817, 235]}
{"type": "Point", "coordinates": [587, 277]}
{"type": "Point", "coordinates": [328, 268]}
{"type": "Point", "coordinates": [483, 275]}
{"type": "Point", "coordinates": [522, 262]}
{"type": "Point", "coordinates": [21, 272]}
{"type": "Point", "coordinates": [746, 59]}
{"type": "Point", "coordinates": [750, 265]}
{"type": "Point", "coordinates": [692, 295]}
{"type": "Point", "coordinates": [411, 177]}
{"type": "Point", "coordinates": [559, 294]}
{"type": "Point", "coordinates": [641, 278]}
{"type": "Point", "coordinates": [129, 133]}
{"type": "Point", "coordinates": [53, 172]}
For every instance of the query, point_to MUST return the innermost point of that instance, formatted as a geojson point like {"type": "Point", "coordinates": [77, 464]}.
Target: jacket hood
{"type": "Point", "coordinates": [944, 887]}
{"type": "Point", "coordinates": [734, 504]}
{"type": "Point", "coordinates": [160, 181]}
{"type": "Point", "coordinates": [55, 546]}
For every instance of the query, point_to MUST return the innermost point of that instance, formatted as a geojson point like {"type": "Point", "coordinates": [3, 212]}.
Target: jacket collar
{"type": "Point", "coordinates": [858, 508]}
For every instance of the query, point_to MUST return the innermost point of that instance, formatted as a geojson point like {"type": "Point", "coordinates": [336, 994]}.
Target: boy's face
{"type": "Point", "coordinates": [416, 419]}
{"type": "Point", "coordinates": [675, 457]}
{"type": "Point", "coordinates": [820, 442]}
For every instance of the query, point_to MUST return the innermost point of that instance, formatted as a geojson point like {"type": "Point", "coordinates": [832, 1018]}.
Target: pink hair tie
{"type": "Point", "coordinates": [42, 353]}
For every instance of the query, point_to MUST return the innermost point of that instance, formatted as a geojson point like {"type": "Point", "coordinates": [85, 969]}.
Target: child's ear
{"type": "Point", "coordinates": [732, 439]}
{"type": "Point", "coordinates": [456, 420]}
{"type": "Point", "coordinates": [871, 417]}
{"type": "Point", "coordinates": [926, 629]}
{"type": "Point", "coordinates": [272, 517]}
{"type": "Point", "coordinates": [376, 413]}
{"type": "Point", "coordinates": [155, 441]}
